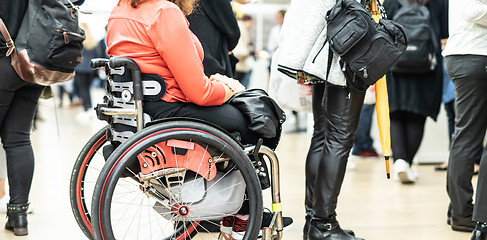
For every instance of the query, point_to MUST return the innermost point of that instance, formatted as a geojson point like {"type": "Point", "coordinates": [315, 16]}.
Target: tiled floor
{"type": "Point", "coordinates": [374, 207]}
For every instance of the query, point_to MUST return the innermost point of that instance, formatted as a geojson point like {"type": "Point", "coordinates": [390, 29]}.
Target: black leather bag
{"type": "Point", "coordinates": [265, 115]}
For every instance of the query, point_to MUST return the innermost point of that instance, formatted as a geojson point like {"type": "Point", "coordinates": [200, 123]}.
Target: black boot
{"type": "Point", "coordinates": [307, 224]}
{"type": "Point", "coordinates": [480, 232]}
{"type": "Point", "coordinates": [323, 230]}
{"type": "Point", "coordinates": [17, 219]}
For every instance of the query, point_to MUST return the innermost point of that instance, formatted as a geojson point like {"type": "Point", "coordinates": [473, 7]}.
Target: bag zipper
{"type": "Point", "coordinates": [66, 33]}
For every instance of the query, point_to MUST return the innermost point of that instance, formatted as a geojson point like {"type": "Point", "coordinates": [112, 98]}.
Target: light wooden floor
{"type": "Point", "coordinates": [374, 207]}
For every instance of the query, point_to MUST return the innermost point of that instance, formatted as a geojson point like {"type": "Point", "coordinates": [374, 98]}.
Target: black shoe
{"type": "Point", "coordinates": [209, 226]}
{"type": "Point", "coordinates": [462, 224]}
{"type": "Point", "coordinates": [307, 224]}
{"type": "Point", "coordinates": [17, 219]}
{"type": "Point", "coordinates": [267, 216]}
{"type": "Point", "coordinates": [322, 230]}
{"type": "Point", "coordinates": [480, 232]}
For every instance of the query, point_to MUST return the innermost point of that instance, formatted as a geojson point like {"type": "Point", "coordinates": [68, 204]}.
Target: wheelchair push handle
{"type": "Point", "coordinates": [98, 63]}
{"type": "Point", "coordinates": [116, 62]}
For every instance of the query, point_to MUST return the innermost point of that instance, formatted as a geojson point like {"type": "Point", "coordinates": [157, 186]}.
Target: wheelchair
{"type": "Point", "coordinates": [174, 178]}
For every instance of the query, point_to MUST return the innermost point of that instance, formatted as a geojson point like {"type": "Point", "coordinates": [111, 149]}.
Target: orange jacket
{"type": "Point", "coordinates": [156, 36]}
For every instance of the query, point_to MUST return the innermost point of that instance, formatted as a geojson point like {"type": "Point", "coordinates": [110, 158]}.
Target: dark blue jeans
{"type": "Point", "coordinates": [363, 141]}
{"type": "Point", "coordinates": [18, 102]}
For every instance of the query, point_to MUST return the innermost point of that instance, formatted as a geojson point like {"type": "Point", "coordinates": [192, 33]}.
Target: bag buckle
{"type": "Point", "coordinates": [10, 43]}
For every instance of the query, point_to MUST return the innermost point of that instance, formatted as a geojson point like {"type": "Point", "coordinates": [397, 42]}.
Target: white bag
{"type": "Point", "coordinates": [287, 92]}
{"type": "Point", "coordinates": [206, 200]}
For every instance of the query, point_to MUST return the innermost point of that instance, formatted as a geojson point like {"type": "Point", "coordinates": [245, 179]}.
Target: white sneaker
{"type": "Point", "coordinates": [5, 200]}
{"type": "Point", "coordinates": [404, 171]}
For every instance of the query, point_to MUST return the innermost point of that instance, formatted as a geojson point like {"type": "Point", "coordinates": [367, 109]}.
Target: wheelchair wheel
{"type": "Point", "coordinates": [83, 178]}
{"type": "Point", "coordinates": [175, 180]}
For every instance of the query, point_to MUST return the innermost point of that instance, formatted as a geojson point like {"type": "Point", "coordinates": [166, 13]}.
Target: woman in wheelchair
{"type": "Point", "coordinates": [155, 34]}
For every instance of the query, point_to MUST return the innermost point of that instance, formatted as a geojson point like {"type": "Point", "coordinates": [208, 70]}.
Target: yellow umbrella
{"type": "Point", "coordinates": [382, 105]}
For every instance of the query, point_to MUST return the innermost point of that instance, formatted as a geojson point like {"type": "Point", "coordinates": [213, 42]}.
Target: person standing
{"type": "Point", "coordinates": [18, 103]}
{"type": "Point", "coordinates": [364, 144]}
{"type": "Point", "coordinates": [85, 75]}
{"type": "Point", "coordinates": [215, 25]}
{"type": "Point", "coordinates": [415, 96]}
{"type": "Point", "coordinates": [466, 64]}
{"type": "Point", "coordinates": [244, 51]}
{"type": "Point", "coordinates": [336, 111]}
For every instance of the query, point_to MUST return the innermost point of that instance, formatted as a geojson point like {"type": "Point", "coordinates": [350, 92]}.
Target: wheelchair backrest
{"type": "Point", "coordinates": [119, 106]}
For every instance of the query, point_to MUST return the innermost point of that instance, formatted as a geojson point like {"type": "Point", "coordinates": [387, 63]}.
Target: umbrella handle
{"type": "Point", "coordinates": [374, 10]}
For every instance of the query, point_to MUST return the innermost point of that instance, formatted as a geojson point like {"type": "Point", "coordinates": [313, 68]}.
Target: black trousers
{"type": "Point", "coordinates": [225, 116]}
{"type": "Point", "coordinates": [18, 103]}
{"type": "Point", "coordinates": [469, 74]}
{"type": "Point", "coordinates": [336, 112]}
{"type": "Point", "coordinates": [407, 129]}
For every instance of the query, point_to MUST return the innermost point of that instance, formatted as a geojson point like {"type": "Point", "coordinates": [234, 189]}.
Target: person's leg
{"type": "Point", "coordinates": [18, 101]}
{"type": "Point", "coordinates": [450, 114]}
{"type": "Point", "coordinates": [314, 153]}
{"type": "Point", "coordinates": [398, 135]}
{"type": "Point", "coordinates": [363, 141]}
{"type": "Point", "coordinates": [83, 83]}
{"type": "Point", "coordinates": [341, 112]}
{"type": "Point", "coordinates": [15, 133]}
{"type": "Point", "coordinates": [414, 130]}
{"type": "Point", "coordinates": [468, 75]}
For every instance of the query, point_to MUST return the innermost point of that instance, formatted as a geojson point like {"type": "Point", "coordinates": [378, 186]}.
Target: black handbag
{"type": "Point", "coordinates": [265, 115]}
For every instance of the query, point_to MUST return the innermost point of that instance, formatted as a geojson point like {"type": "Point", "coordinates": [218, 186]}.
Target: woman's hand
{"type": "Point", "coordinates": [231, 85]}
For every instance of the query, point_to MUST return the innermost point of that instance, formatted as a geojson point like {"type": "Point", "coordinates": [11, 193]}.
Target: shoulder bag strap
{"type": "Point", "coordinates": [8, 39]}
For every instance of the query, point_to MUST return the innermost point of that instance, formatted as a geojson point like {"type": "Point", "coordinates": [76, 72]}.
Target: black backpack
{"type": "Point", "coordinates": [420, 54]}
{"type": "Point", "coordinates": [52, 38]}
{"type": "Point", "coordinates": [367, 49]}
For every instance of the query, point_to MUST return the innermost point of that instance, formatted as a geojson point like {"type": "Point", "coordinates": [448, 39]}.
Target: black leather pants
{"type": "Point", "coordinates": [336, 112]}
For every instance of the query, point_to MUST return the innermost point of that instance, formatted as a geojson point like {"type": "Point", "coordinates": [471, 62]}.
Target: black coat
{"type": "Point", "coordinates": [215, 25]}
{"type": "Point", "coordinates": [419, 93]}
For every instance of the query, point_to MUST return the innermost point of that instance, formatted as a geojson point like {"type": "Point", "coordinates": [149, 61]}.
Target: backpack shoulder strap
{"type": "Point", "coordinates": [8, 39]}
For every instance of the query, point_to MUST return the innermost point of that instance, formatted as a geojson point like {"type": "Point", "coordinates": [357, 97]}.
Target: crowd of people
{"type": "Point", "coordinates": [202, 52]}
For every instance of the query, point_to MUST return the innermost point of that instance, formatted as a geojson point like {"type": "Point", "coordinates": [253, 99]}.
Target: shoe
{"type": "Point", "coordinates": [368, 153]}
{"type": "Point", "coordinates": [462, 224]}
{"type": "Point", "coordinates": [17, 219]}
{"type": "Point", "coordinates": [226, 228]}
{"type": "Point", "coordinates": [404, 172]}
{"type": "Point", "coordinates": [239, 226]}
{"type": "Point", "coordinates": [322, 230]}
{"type": "Point", "coordinates": [442, 167]}
{"type": "Point", "coordinates": [267, 216]}
{"type": "Point", "coordinates": [307, 224]}
{"type": "Point", "coordinates": [480, 232]}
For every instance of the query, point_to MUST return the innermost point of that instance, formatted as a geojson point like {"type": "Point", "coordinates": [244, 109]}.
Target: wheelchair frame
{"type": "Point", "coordinates": [274, 231]}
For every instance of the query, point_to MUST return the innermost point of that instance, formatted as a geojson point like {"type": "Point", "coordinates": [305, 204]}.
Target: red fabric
{"type": "Point", "coordinates": [156, 35]}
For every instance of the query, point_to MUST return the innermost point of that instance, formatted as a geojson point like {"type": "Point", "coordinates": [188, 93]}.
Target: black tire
{"type": "Point", "coordinates": [123, 211]}
{"type": "Point", "coordinates": [83, 178]}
